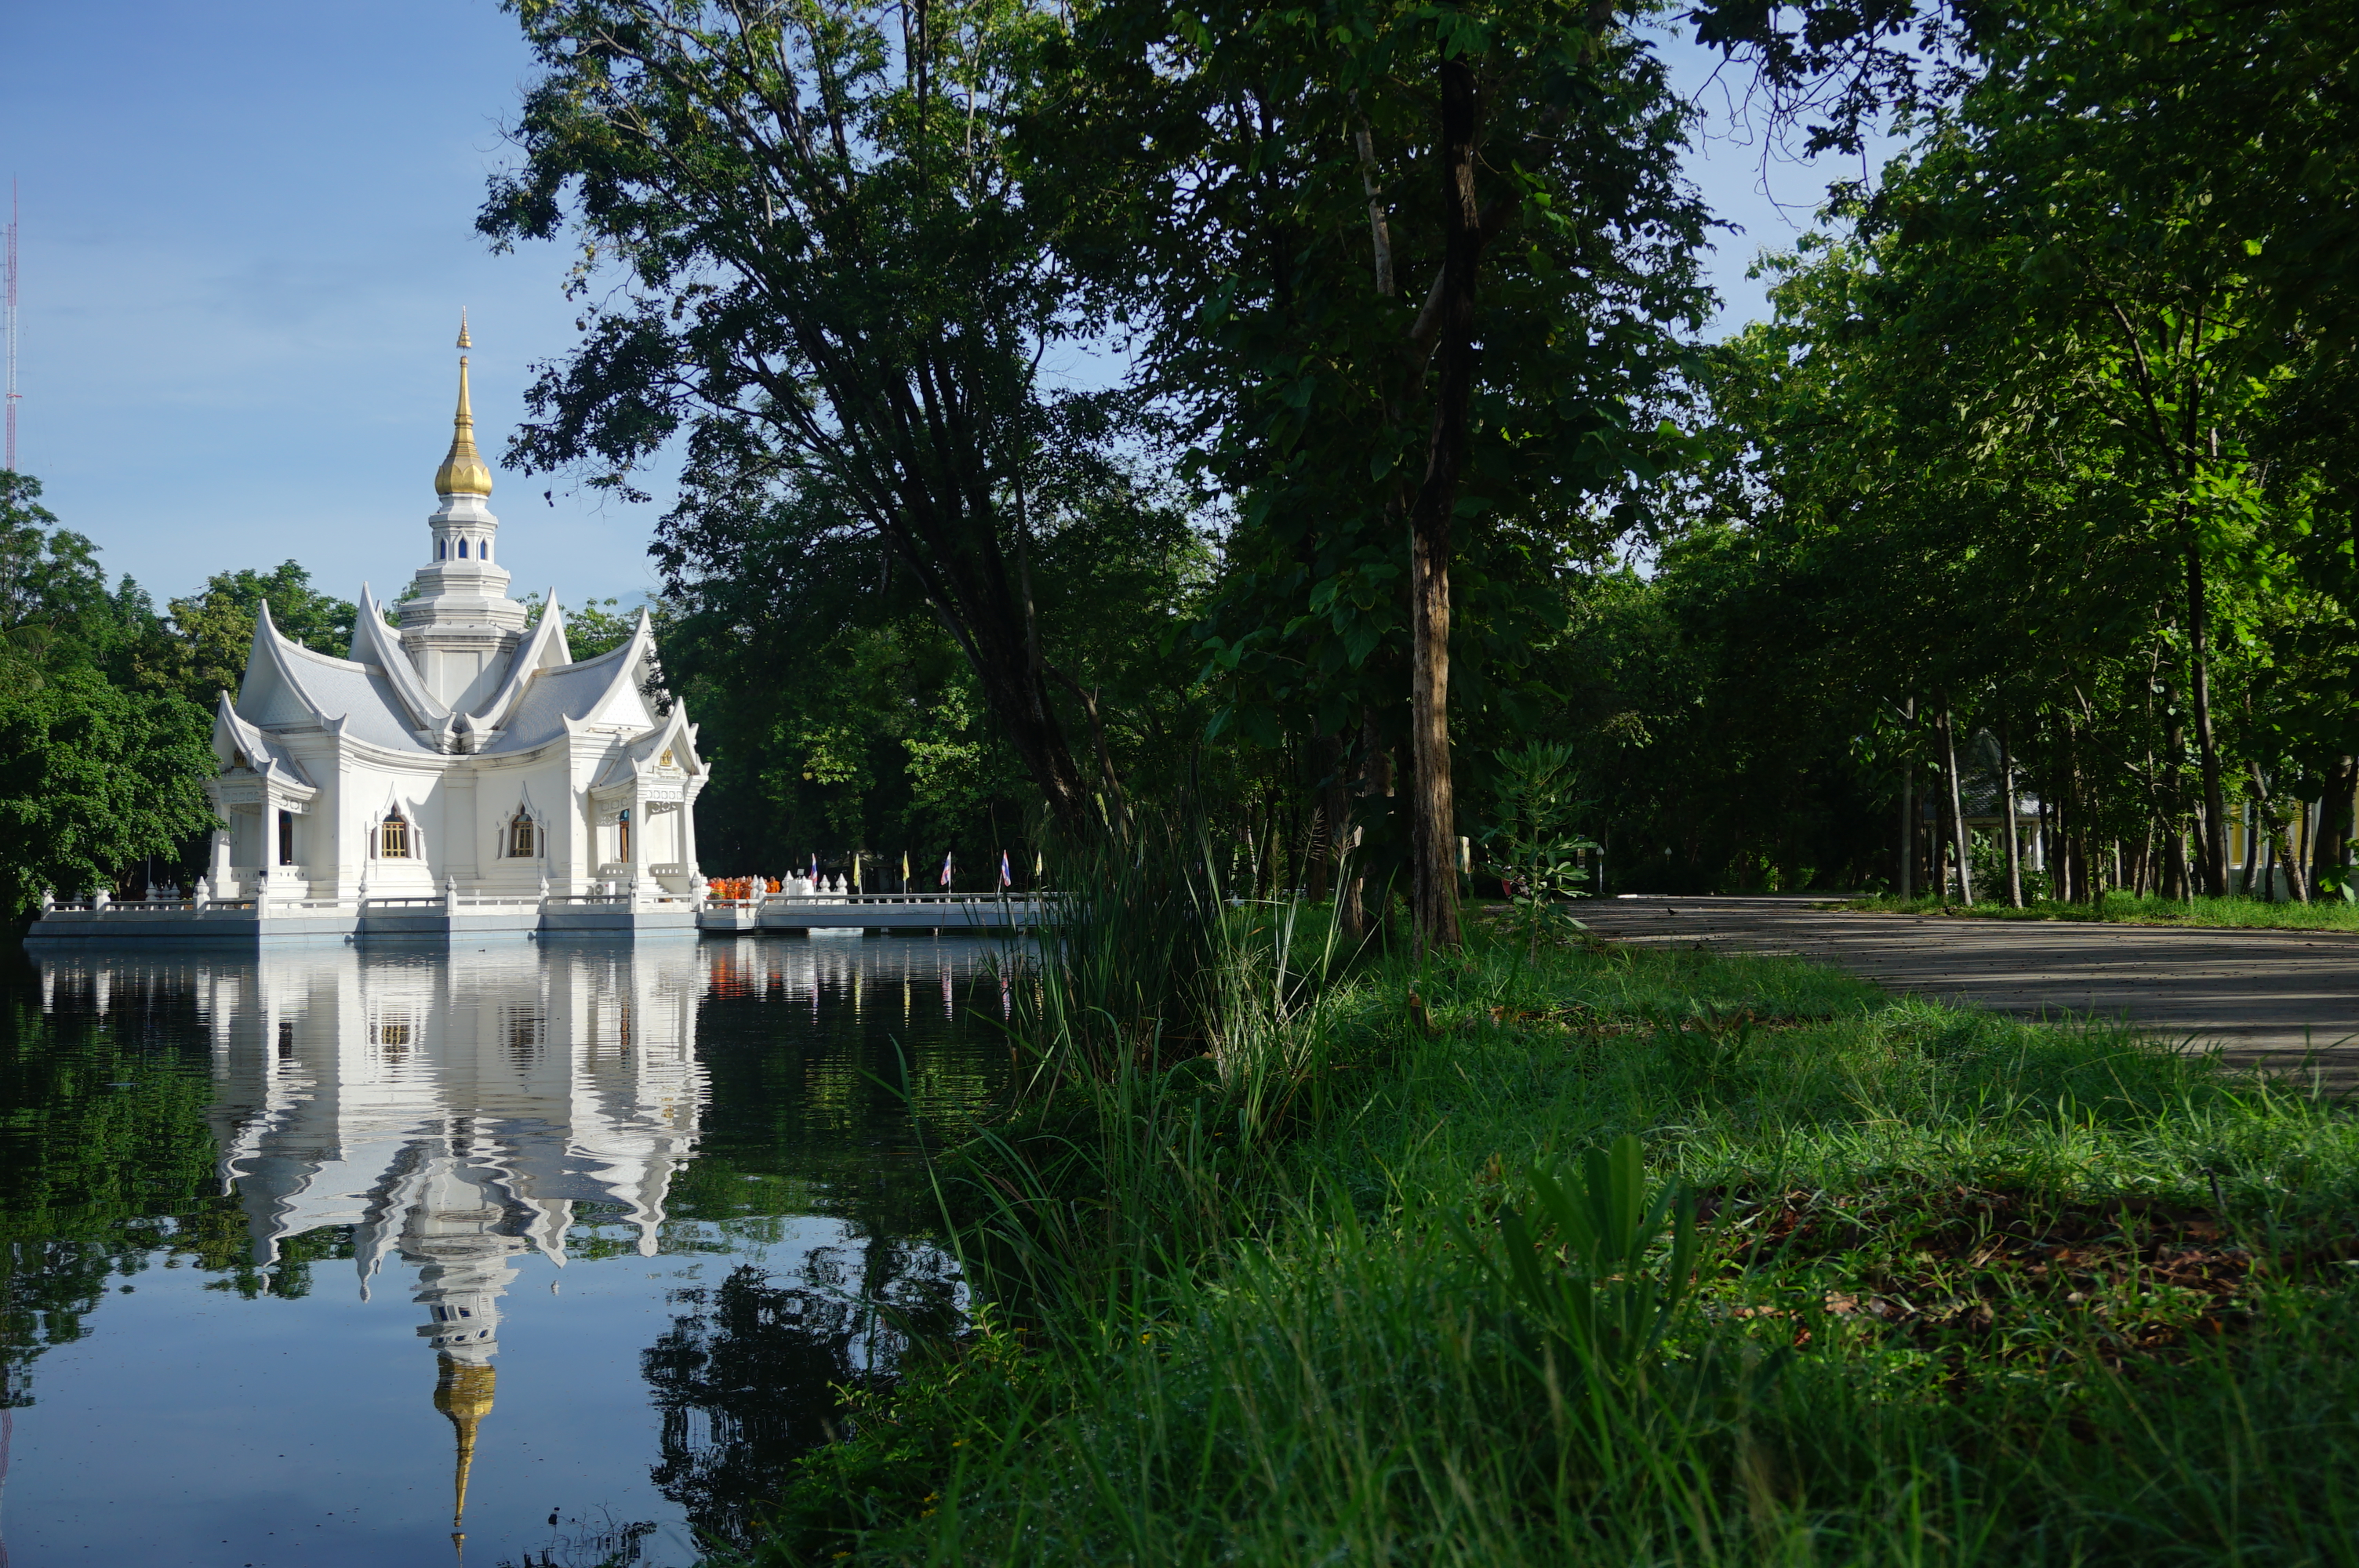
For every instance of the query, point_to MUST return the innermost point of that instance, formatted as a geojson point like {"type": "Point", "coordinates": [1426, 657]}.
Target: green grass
{"type": "Point", "coordinates": [1970, 1291]}
{"type": "Point", "coordinates": [2326, 914]}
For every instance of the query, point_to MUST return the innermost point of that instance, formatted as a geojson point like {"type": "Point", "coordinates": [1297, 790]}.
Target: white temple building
{"type": "Point", "coordinates": [464, 755]}
{"type": "Point", "coordinates": [462, 773]}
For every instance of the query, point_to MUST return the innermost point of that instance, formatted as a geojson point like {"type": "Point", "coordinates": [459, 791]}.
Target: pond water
{"type": "Point", "coordinates": [543, 1253]}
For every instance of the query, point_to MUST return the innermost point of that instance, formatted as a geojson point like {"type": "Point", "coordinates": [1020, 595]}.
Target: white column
{"type": "Point", "coordinates": [461, 833]}
{"type": "Point", "coordinates": [637, 861]}
{"type": "Point", "coordinates": [223, 884]}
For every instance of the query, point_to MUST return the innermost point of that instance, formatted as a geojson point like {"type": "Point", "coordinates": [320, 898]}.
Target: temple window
{"type": "Point", "coordinates": [286, 838]}
{"type": "Point", "coordinates": [483, 551]}
{"type": "Point", "coordinates": [462, 549]}
{"type": "Point", "coordinates": [393, 838]}
{"type": "Point", "coordinates": [524, 837]}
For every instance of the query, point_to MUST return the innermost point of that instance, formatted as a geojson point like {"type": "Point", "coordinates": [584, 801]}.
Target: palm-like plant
{"type": "Point", "coordinates": [1534, 848]}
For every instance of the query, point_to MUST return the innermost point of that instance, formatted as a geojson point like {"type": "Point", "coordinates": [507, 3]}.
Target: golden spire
{"type": "Point", "coordinates": [464, 471]}
{"type": "Point", "coordinates": [463, 1392]}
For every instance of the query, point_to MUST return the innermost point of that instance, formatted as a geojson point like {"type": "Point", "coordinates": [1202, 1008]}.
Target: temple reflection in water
{"type": "Point", "coordinates": [457, 1110]}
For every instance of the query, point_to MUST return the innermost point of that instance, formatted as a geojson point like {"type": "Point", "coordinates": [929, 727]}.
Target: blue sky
{"type": "Point", "coordinates": [248, 233]}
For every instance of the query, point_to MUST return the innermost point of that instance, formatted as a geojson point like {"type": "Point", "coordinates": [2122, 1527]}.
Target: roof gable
{"type": "Point", "coordinates": [287, 685]}
{"type": "Point", "coordinates": [374, 644]}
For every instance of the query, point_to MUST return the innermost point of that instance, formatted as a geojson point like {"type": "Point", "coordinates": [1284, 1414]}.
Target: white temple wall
{"type": "Point", "coordinates": [584, 844]}
{"type": "Point", "coordinates": [317, 843]}
{"type": "Point", "coordinates": [244, 838]}
{"type": "Point", "coordinates": [663, 845]}
{"type": "Point", "coordinates": [501, 787]}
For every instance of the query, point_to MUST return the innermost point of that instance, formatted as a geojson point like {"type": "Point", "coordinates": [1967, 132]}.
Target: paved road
{"type": "Point", "coordinates": [2263, 996]}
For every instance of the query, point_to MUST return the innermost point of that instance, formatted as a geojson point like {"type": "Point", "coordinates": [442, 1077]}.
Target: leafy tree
{"type": "Point", "coordinates": [828, 281]}
{"type": "Point", "coordinates": [2046, 449]}
{"type": "Point", "coordinates": [837, 710]}
{"type": "Point", "coordinates": [595, 626]}
{"type": "Point", "coordinates": [93, 778]}
{"type": "Point", "coordinates": [93, 775]}
{"type": "Point", "coordinates": [55, 608]}
{"type": "Point", "coordinates": [1405, 273]}
{"type": "Point", "coordinates": [214, 630]}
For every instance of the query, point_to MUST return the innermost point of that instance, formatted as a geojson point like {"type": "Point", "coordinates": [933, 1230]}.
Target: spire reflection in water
{"type": "Point", "coordinates": [706, 1129]}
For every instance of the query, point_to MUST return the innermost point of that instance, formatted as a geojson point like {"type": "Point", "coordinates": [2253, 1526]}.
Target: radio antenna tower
{"type": "Point", "coordinates": [9, 266]}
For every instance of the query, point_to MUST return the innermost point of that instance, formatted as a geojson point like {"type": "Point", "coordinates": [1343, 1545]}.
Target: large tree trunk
{"type": "Point", "coordinates": [1351, 908]}
{"type": "Point", "coordinates": [2289, 857]}
{"type": "Point", "coordinates": [1326, 816]}
{"type": "Point", "coordinates": [2282, 830]}
{"type": "Point", "coordinates": [2006, 818]}
{"type": "Point", "coordinates": [1905, 860]}
{"type": "Point", "coordinates": [1020, 699]}
{"type": "Point", "coordinates": [2068, 816]}
{"type": "Point", "coordinates": [2088, 849]}
{"type": "Point", "coordinates": [2179, 877]}
{"type": "Point", "coordinates": [2333, 823]}
{"type": "Point", "coordinates": [1944, 835]}
{"type": "Point", "coordinates": [2216, 811]}
{"type": "Point", "coordinates": [1433, 807]}
{"type": "Point", "coordinates": [1904, 854]}
{"type": "Point", "coordinates": [1960, 838]}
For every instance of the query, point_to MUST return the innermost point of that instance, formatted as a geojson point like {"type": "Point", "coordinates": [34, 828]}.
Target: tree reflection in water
{"type": "Point", "coordinates": [747, 1380]}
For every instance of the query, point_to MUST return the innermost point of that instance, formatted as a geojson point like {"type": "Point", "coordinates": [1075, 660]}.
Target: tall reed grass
{"type": "Point", "coordinates": [1170, 1035]}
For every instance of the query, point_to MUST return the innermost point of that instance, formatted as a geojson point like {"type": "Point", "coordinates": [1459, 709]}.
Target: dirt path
{"type": "Point", "coordinates": [2271, 996]}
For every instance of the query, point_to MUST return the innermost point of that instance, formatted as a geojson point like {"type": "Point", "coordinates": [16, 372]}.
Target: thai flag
{"type": "Point", "coordinates": [946, 868]}
{"type": "Point", "coordinates": [814, 876]}
{"type": "Point", "coordinates": [1006, 879]}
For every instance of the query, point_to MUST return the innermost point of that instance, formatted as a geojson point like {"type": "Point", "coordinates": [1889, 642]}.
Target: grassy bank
{"type": "Point", "coordinates": [1963, 1291]}
{"type": "Point", "coordinates": [2326, 914]}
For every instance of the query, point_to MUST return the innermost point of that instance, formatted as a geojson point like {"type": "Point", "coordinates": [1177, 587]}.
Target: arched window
{"type": "Point", "coordinates": [524, 837]}
{"type": "Point", "coordinates": [442, 548]}
{"type": "Point", "coordinates": [393, 838]}
{"type": "Point", "coordinates": [483, 551]}
{"type": "Point", "coordinates": [462, 549]}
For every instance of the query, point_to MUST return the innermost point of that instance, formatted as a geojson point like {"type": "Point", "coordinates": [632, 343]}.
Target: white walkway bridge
{"type": "Point", "coordinates": [455, 915]}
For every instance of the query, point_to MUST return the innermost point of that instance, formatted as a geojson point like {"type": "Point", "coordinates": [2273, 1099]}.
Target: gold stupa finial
{"type": "Point", "coordinates": [464, 1393]}
{"type": "Point", "coordinates": [463, 471]}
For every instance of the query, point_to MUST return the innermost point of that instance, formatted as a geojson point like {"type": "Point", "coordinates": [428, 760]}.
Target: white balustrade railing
{"type": "Point", "coordinates": [882, 898]}
{"type": "Point", "coordinates": [1029, 902]}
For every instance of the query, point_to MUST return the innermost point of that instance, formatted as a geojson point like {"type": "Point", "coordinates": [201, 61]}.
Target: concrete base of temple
{"type": "Point", "coordinates": [446, 919]}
